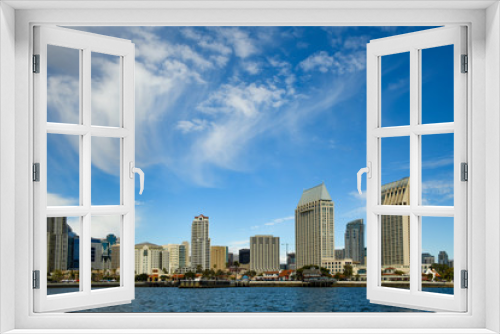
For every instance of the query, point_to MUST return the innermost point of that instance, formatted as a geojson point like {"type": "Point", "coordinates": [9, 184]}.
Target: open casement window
{"type": "Point", "coordinates": [416, 150]}
{"type": "Point", "coordinates": [84, 216]}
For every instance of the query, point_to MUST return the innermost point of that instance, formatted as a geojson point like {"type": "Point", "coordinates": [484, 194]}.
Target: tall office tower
{"type": "Point", "coordinates": [165, 260]}
{"type": "Point", "coordinates": [396, 229]}
{"type": "Point", "coordinates": [290, 261]}
{"type": "Point", "coordinates": [314, 227]}
{"type": "Point", "coordinates": [96, 248]}
{"type": "Point", "coordinates": [188, 254]}
{"type": "Point", "coordinates": [57, 244]}
{"type": "Point", "coordinates": [73, 250]}
{"type": "Point", "coordinates": [264, 253]}
{"type": "Point", "coordinates": [147, 258]}
{"type": "Point", "coordinates": [230, 259]}
{"type": "Point", "coordinates": [443, 258]}
{"type": "Point", "coordinates": [115, 258]}
{"type": "Point", "coordinates": [427, 258]}
{"type": "Point", "coordinates": [340, 254]}
{"type": "Point", "coordinates": [218, 257]}
{"type": "Point", "coordinates": [354, 241]}
{"type": "Point", "coordinates": [176, 257]}
{"type": "Point", "coordinates": [200, 243]}
{"type": "Point", "coordinates": [244, 256]}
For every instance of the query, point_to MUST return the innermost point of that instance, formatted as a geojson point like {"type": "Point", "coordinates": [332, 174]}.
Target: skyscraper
{"type": "Point", "coordinates": [200, 243]}
{"type": "Point", "coordinates": [264, 253]}
{"type": "Point", "coordinates": [314, 227]}
{"type": "Point", "coordinates": [176, 257]}
{"type": "Point", "coordinates": [57, 244]}
{"type": "Point", "coordinates": [188, 253]}
{"type": "Point", "coordinates": [244, 256]}
{"type": "Point", "coordinates": [443, 258]}
{"type": "Point", "coordinates": [218, 257]}
{"type": "Point", "coordinates": [396, 229]}
{"type": "Point", "coordinates": [354, 241]}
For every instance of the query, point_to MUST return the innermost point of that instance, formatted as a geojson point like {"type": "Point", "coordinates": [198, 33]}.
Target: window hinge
{"type": "Point", "coordinates": [36, 172]}
{"type": "Point", "coordinates": [36, 279]}
{"type": "Point", "coordinates": [465, 64]}
{"type": "Point", "coordinates": [464, 171]}
{"type": "Point", "coordinates": [36, 63]}
{"type": "Point", "coordinates": [465, 279]}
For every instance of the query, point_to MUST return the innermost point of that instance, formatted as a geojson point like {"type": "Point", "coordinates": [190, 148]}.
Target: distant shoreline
{"type": "Point", "coordinates": [295, 284]}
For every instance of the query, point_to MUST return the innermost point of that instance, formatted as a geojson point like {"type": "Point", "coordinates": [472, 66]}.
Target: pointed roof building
{"type": "Point", "coordinates": [318, 193]}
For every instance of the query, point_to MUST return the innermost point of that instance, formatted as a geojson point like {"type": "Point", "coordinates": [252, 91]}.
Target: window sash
{"type": "Point", "coordinates": [413, 43]}
{"type": "Point", "coordinates": [86, 43]}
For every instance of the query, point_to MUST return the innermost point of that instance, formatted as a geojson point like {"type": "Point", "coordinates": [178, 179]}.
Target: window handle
{"type": "Point", "coordinates": [368, 171]}
{"type": "Point", "coordinates": [139, 171]}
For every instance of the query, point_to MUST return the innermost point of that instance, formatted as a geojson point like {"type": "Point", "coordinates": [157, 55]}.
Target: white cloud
{"type": "Point", "coordinates": [356, 42]}
{"type": "Point", "coordinates": [279, 220]}
{"type": "Point", "coordinates": [58, 200]}
{"type": "Point", "coordinates": [251, 67]}
{"type": "Point", "coordinates": [235, 246]}
{"type": "Point", "coordinates": [354, 213]}
{"type": "Point", "coordinates": [355, 194]}
{"type": "Point", "coordinates": [436, 163]}
{"type": "Point", "coordinates": [244, 46]}
{"type": "Point", "coordinates": [319, 60]}
{"type": "Point", "coordinates": [192, 126]}
{"type": "Point", "coordinates": [438, 187]}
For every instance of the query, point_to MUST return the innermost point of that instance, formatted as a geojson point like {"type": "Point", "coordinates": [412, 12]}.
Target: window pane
{"type": "Point", "coordinates": [395, 251]}
{"type": "Point", "coordinates": [63, 170]}
{"type": "Point", "coordinates": [105, 171]}
{"type": "Point", "coordinates": [395, 168]}
{"type": "Point", "coordinates": [437, 84]}
{"type": "Point", "coordinates": [63, 254]}
{"type": "Point", "coordinates": [437, 254]}
{"type": "Point", "coordinates": [106, 76]}
{"type": "Point", "coordinates": [395, 94]}
{"type": "Point", "coordinates": [437, 169]}
{"type": "Point", "coordinates": [105, 251]}
{"type": "Point", "coordinates": [63, 84]}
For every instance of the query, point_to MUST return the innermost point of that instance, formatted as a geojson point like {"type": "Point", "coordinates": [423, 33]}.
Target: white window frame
{"type": "Point", "coordinates": [85, 43]}
{"type": "Point", "coordinates": [483, 21]}
{"type": "Point", "coordinates": [414, 43]}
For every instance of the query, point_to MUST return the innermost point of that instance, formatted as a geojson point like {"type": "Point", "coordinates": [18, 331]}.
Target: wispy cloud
{"type": "Point", "coordinates": [59, 200]}
{"type": "Point", "coordinates": [319, 60]}
{"type": "Point", "coordinates": [279, 220]}
{"type": "Point", "coordinates": [356, 195]}
{"type": "Point", "coordinates": [437, 163]}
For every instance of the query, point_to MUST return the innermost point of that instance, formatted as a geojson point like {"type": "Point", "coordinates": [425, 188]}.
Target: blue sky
{"type": "Point", "coordinates": [235, 122]}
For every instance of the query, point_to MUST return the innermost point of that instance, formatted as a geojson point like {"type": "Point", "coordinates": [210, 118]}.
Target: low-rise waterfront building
{"type": "Point", "coordinates": [147, 257]}
{"type": "Point", "coordinates": [264, 253]}
{"type": "Point", "coordinates": [218, 257]}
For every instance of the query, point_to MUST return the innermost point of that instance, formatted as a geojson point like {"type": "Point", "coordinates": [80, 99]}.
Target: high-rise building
{"type": "Point", "coordinates": [427, 258]}
{"type": "Point", "coordinates": [96, 262]}
{"type": "Point", "coordinates": [188, 254]}
{"type": "Point", "coordinates": [200, 243]}
{"type": "Point", "coordinates": [176, 257]}
{"type": "Point", "coordinates": [264, 253]}
{"type": "Point", "coordinates": [340, 254]}
{"type": "Point", "coordinates": [291, 261]}
{"type": "Point", "coordinates": [147, 258]}
{"type": "Point", "coordinates": [115, 257]}
{"type": "Point", "coordinates": [443, 258]}
{"type": "Point", "coordinates": [165, 260]}
{"type": "Point", "coordinates": [354, 241]}
{"type": "Point", "coordinates": [396, 229]}
{"type": "Point", "coordinates": [314, 227]}
{"type": "Point", "coordinates": [230, 259]}
{"type": "Point", "coordinates": [218, 257]}
{"type": "Point", "coordinates": [73, 250]}
{"type": "Point", "coordinates": [244, 256]}
{"type": "Point", "coordinates": [57, 244]}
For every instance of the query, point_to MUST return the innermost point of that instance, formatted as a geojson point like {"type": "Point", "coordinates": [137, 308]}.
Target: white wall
{"type": "Point", "coordinates": [7, 160]}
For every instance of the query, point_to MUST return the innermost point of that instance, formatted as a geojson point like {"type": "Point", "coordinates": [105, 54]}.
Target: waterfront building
{"type": "Point", "coordinates": [188, 254]}
{"type": "Point", "coordinates": [395, 230]}
{"type": "Point", "coordinates": [336, 266]}
{"type": "Point", "coordinates": [57, 244]}
{"type": "Point", "coordinates": [340, 254]}
{"type": "Point", "coordinates": [176, 257]}
{"type": "Point", "coordinates": [291, 261]}
{"type": "Point", "coordinates": [314, 227]}
{"type": "Point", "coordinates": [451, 263]}
{"type": "Point", "coordinates": [218, 257]}
{"type": "Point", "coordinates": [165, 260]}
{"type": "Point", "coordinates": [230, 259]}
{"type": "Point", "coordinates": [427, 258]}
{"type": "Point", "coordinates": [200, 243]}
{"type": "Point", "coordinates": [443, 258]}
{"type": "Point", "coordinates": [115, 257]}
{"type": "Point", "coordinates": [147, 258]}
{"type": "Point", "coordinates": [244, 256]}
{"type": "Point", "coordinates": [354, 241]}
{"type": "Point", "coordinates": [264, 253]}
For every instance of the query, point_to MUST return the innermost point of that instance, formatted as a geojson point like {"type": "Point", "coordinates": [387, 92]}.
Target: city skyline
{"type": "Point", "coordinates": [298, 101]}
